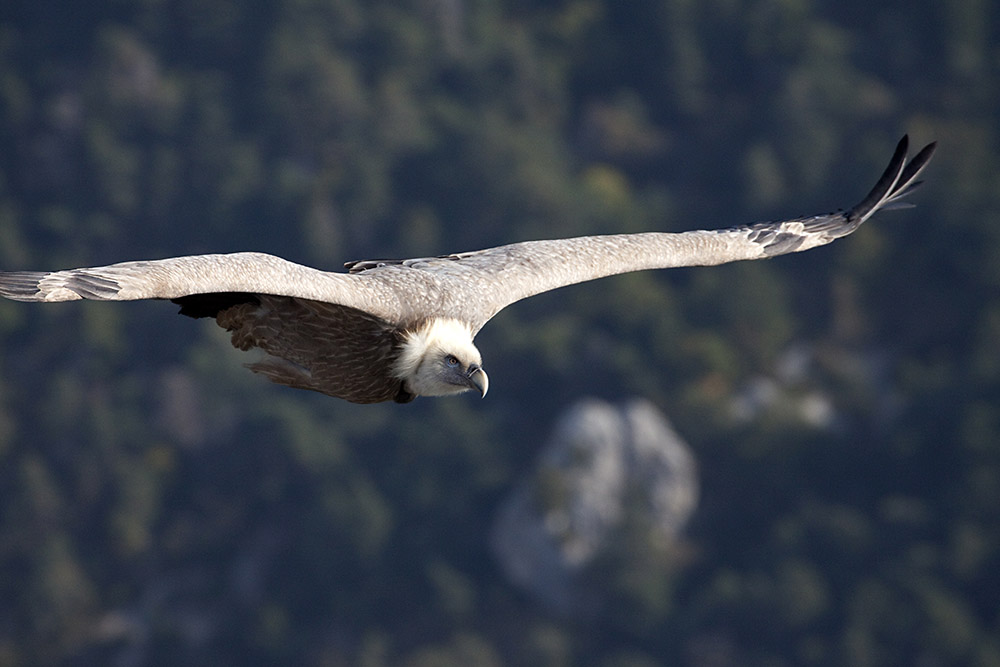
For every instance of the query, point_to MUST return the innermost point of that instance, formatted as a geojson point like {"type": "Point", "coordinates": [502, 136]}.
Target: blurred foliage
{"type": "Point", "coordinates": [160, 505]}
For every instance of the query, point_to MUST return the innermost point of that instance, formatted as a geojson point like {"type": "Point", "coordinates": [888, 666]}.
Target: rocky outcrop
{"type": "Point", "coordinates": [610, 475]}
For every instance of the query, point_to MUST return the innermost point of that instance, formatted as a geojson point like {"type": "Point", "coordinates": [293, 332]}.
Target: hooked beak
{"type": "Point", "coordinates": [478, 380]}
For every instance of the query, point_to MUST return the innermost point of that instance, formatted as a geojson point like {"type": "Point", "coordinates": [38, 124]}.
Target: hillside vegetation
{"type": "Point", "coordinates": [161, 505]}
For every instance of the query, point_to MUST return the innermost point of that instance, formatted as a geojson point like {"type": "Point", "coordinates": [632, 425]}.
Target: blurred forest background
{"type": "Point", "coordinates": [161, 505]}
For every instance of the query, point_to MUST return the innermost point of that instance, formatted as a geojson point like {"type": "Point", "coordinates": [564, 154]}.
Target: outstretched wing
{"type": "Point", "coordinates": [177, 277]}
{"type": "Point", "coordinates": [486, 281]}
{"type": "Point", "coordinates": [471, 286]}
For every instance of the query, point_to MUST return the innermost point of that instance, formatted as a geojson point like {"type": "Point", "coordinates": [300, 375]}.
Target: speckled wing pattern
{"type": "Point", "coordinates": [473, 286]}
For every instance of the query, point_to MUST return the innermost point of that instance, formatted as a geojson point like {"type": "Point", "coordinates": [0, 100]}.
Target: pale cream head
{"type": "Point", "coordinates": [439, 359]}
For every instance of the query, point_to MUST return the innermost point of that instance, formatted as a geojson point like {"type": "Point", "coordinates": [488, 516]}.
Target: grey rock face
{"type": "Point", "coordinates": [607, 473]}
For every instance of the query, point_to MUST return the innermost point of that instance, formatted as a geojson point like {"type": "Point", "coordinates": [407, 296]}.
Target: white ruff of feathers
{"type": "Point", "coordinates": [441, 335]}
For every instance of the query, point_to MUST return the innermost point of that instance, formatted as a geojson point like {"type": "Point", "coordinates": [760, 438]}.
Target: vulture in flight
{"type": "Point", "coordinates": [398, 329]}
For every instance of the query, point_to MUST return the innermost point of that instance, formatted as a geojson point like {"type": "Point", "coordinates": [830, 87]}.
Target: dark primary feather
{"type": "Point", "coordinates": [20, 285]}
{"type": "Point", "coordinates": [897, 181]}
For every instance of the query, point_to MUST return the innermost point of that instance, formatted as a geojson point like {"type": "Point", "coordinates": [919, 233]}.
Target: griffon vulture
{"type": "Point", "coordinates": [398, 329]}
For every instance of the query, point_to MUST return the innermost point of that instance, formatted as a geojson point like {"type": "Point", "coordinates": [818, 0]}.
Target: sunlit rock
{"type": "Point", "coordinates": [611, 480]}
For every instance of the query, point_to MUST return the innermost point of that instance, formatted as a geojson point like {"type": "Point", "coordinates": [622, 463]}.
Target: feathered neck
{"type": "Point", "coordinates": [441, 334]}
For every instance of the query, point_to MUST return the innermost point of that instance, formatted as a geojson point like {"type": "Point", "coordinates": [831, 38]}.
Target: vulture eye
{"type": "Point", "coordinates": [451, 360]}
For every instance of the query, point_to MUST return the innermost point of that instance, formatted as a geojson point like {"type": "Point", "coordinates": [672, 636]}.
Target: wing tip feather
{"type": "Point", "coordinates": [21, 285]}
{"type": "Point", "coordinates": [897, 181]}
{"type": "Point", "coordinates": [57, 286]}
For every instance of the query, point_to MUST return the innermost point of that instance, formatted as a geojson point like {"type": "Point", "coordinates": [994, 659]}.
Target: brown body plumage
{"type": "Point", "coordinates": [320, 346]}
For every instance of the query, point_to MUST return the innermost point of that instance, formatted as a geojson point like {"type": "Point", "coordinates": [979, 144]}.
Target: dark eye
{"type": "Point", "coordinates": [451, 360]}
